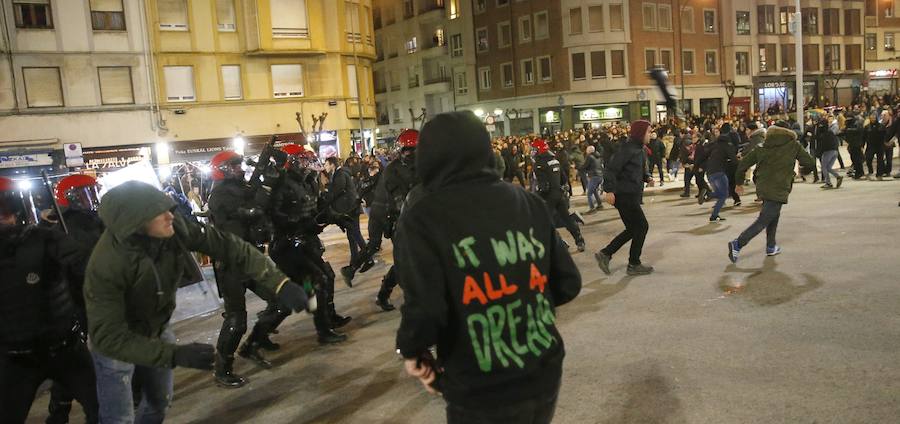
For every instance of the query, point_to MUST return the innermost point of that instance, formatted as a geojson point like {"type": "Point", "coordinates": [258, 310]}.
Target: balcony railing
{"type": "Point", "coordinates": [437, 80]}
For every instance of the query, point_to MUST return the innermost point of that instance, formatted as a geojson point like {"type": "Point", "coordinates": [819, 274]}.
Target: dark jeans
{"type": "Point", "coordinates": [719, 183]}
{"type": "Point", "coordinates": [767, 220]}
{"type": "Point", "coordinates": [636, 227]}
{"type": "Point", "coordinates": [114, 389]}
{"type": "Point", "coordinates": [529, 412]}
{"type": "Point", "coordinates": [658, 163]}
{"type": "Point", "coordinates": [857, 158]}
{"type": "Point", "coordinates": [21, 375]}
{"type": "Point", "coordinates": [688, 176]}
{"type": "Point", "coordinates": [593, 192]}
{"type": "Point", "coordinates": [354, 237]}
{"type": "Point", "coordinates": [560, 211]}
{"type": "Point", "coordinates": [731, 173]}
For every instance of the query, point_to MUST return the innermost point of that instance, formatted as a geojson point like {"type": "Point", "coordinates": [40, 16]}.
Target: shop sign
{"type": "Point", "coordinates": [551, 116]}
{"type": "Point", "coordinates": [883, 73]}
{"type": "Point", "coordinates": [25, 159]}
{"type": "Point", "coordinates": [602, 114]}
{"type": "Point", "coordinates": [109, 158]}
{"type": "Point", "coordinates": [774, 84]}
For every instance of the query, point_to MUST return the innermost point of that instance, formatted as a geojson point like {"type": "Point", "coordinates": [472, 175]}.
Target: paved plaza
{"type": "Point", "coordinates": [810, 336]}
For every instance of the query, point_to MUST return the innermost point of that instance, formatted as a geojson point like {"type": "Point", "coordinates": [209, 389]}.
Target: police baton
{"type": "Point", "coordinates": [49, 186]}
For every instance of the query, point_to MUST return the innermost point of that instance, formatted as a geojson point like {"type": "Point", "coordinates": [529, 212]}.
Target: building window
{"type": "Point", "coordinates": [456, 47]}
{"type": "Point", "coordinates": [395, 114]}
{"type": "Point", "coordinates": [598, 64]}
{"type": "Point", "coordinates": [810, 20]}
{"type": "Point", "coordinates": [832, 57]}
{"type": "Point", "coordinates": [785, 19]}
{"type": "Point", "coordinates": [438, 38]}
{"type": "Point", "coordinates": [648, 12]}
{"type": "Point", "coordinates": [811, 57]}
{"type": "Point", "coordinates": [412, 45]}
{"type": "Point", "coordinates": [480, 6]}
{"type": "Point", "coordinates": [462, 85]}
{"type": "Point", "coordinates": [871, 8]}
{"type": "Point", "coordinates": [43, 87]}
{"type": "Point", "coordinates": [649, 59]}
{"type": "Point", "coordinates": [889, 10]}
{"type": "Point", "coordinates": [742, 63]}
{"type": "Point", "coordinates": [578, 71]}
{"type": "Point", "coordinates": [225, 15]}
{"type": "Point", "coordinates": [616, 17]}
{"type": "Point", "coordinates": [617, 57]}
{"type": "Point", "coordinates": [712, 62]}
{"type": "Point", "coordinates": [544, 69]}
{"type": "Point", "coordinates": [412, 78]}
{"type": "Point", "coordinates": [664, 13]}
{"type": "Point", "coordinates": [853, 58]}
{"type": "Point", "coordinates": [527, 71]}
{"type": "Point", "coordinates": [454, 9]}
{"type": "Point", "coordinates": [504, 34]}
{"type": "Point", "coordinates": [481, 40]}
{"type": "Point", "coordinates": [709, 21]}
{"type": "Point", "coordinates": [352, 30]}
{"type": "Point", "coordinates": [665, 59]}
{"type": "Point", "coordinates": [871, 42]}
{"type": "Point", "coordinates": [767, 58]}
{"type": "Point", "coordinates": [506, 72]}
{"type": "Point", "coordinates": [484, 78]}
{"type": "Point", "coordinates": [765, 19]}
{"type": "Point", "coordinates": [743, 23]}
{"type": "Point", "coordinates": [575, 21]}
{"type": "Point", "coordinates": [524, 28]}
{"type": "Point", "coordinates": [852, 24]}
{"type": "Point", "coordinates": [179, 83]}
{"type": "Point", "coordinates": [115, 85]}
{"type": "Point", "coordinates": [231, 82]}
{"type": "Point", "coordinates": [408, 11]}
{"type": "Point", "coordinates": [687, 19]}
{"type": "Point", "coordinates": [173, 15]}
{"type": "Point", "coordinates": [352, 89]}
{"type": "Point", "coordinates": [289, 19]}
{"type": "Point", "coordinates": [788, 57]}
{"type": "Point", "coordinates": [33, 14]}
{"type": "Point", "coordinates": [107, 15]}
{"type": "Point", "coordinates": [687, 61]}
{"type": "Point", "coordinates": [287, 81]}
{"type": "Point", "coordinates": [889, 41]}
{"type": "Point", "coordinates": [595, 18]}
{"type": "Point", "coordinates": [831, 21]}
{"type": "Point", "coordinates": [541, 25]}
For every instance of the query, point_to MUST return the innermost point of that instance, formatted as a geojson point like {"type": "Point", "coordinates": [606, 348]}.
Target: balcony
{"type": "Point", "coordinates": [437, 80]}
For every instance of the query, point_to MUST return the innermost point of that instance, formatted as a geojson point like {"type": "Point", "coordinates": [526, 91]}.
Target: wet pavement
{"type": "Point", "coordinates": [810, 336]}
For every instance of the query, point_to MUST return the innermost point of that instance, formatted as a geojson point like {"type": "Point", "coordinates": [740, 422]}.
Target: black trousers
{"type": "Point", "coordinates": [875, 152]}
{"type": "Point", "coordinates": [658, 163]}
{"type": "Point", "coordinates": [387, 284]}
{"type": "Point", "coordinates": [233, 290]}
{"type": "Point", "coordinates": [299, 261]}
{"type": "Point", "coordinates": [539, 411]}
{"type": "Point", "coordinates": [857, 158]}
{"type": "Point", "coordinates": [560, 210]}
{"type": "Point", "coordinates": [21, 376]}
{"type": "Point", "coordinates": [516, 174]}
{"type": "Point", "coordinates": [636, 227]}
{"type": "Point", "coordinates": [700, 177]}
{"type": "Point", "coordinates": [688, 176]}
{"type": "Point", "coordinates": [732, 182]}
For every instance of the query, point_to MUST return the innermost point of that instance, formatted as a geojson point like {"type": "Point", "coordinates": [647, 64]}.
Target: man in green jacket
{"type": "Point", "coordinates": [774, 162]}
{"type": "Point", "coordinates": [130, 285]}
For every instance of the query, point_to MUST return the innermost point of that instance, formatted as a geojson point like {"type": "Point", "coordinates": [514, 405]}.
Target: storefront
{"type": "Point", "coordinates": [28, 164]}
{"type": "Point", "coordinates": [551, 120]}
{"type": "Point", "coordinates": [711, 107]}
{"type": "Point", "coordinates": [739, 106]}
{"type": "Point", "coordinates": [882, 81]}
{"type": "Point", "coordinates": [596, 115]}
{"type": "Point", "coordinates": [521, 122]}
{"type": "Point", "coordinates": [778, 95]}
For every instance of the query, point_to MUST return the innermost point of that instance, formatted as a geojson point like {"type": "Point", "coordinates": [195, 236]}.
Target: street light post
{"type": "Point", "coordinates": [798, 54]}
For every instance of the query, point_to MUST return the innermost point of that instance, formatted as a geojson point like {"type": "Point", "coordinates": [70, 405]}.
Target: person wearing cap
{"type": "Point", "coordinates": [130, 285]}
{"type": "Point", "coordinates": [39, 321]}
{"type": "Point", "coordinates": [623, 183]}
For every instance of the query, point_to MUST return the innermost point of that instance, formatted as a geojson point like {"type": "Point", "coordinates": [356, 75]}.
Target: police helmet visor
{"type": "Point", "coordinates": [84, 198]}
{"type": "Point", "coordinates": [17, 209]}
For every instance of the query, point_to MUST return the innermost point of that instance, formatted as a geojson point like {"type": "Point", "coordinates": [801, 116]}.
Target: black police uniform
{"type": "Point", "coordinates": [297, 251]}
{"type": "Point", "coordinates": [234, 208]}
{"type": "Point", "coordinates": [85, 229]}
{"type": "Point", "coordinates": [548, 179]}
{"type": "Point", "coordinates": [39, 330]}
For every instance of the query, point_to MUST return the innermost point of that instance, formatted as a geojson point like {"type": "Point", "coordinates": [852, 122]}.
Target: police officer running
{"type": "Point", "coordinates": [549, 187]}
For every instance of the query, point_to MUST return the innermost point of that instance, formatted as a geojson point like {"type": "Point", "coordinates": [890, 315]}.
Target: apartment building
{"type": "Point", "coordinates": [234, 71]}
{"type": "Point", "coordinates": [71, 72]}
{"type": "Point", "coordinates": [882, 60]}
{"type": "Point", "coordinates": [420, 51]}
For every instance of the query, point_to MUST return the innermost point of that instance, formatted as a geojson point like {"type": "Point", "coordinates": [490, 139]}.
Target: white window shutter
{"type": "Point", "coordinates": [231, 81]}
{"type": "Point", "coordinates": [179, 83]}
{"type": "Point", "coordinates": [42, 86]}
{"type": "Point", "coordinates": [287, 80]}
{"type": "Point", "coordinates": [115, 85]}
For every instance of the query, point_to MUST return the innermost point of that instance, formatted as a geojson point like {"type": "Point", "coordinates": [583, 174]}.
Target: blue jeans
{"type": "Point", "coordinates": [593, 191]}
{"type": "Point", "coordinates": [114, 389]}
{"type": "Point", "coordinates": [828, 159]}
{"type": "Point", "coordinates": [719, 183]}
{"type": "Point", "coordinates": [673, 167]}
{"type": "Point", "coordinates": [767, 220]}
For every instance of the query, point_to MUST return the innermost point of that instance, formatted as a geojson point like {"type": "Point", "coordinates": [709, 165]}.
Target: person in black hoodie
{"type": "Point", "coordinates": [343, 202]}
{"type": "Point", "coordinates": [482, 270]}
{"type": "Point", "coordinates": [549, 187]}
{"type": "Point", "coordinates": [718, 159]}
{"type": "Point", "coordinates": [623, 182]}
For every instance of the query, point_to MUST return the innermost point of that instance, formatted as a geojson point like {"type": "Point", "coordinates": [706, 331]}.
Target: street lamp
{"type": "Point", "coordinates": [239, 145]}
{"type": "Point", "coordinates": [479, 113]}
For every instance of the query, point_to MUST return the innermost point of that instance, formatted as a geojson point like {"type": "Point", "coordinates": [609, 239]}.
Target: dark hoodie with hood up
{"type": "Point", "coordinates": [482, 269]}
{"type": "Point", "coordinates": [131, 278]}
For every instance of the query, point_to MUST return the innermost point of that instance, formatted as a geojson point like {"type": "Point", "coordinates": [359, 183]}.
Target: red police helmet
{"type": "Point", "coordinates": [78, 191]}
{"type": "Point", "coordinates": [292, 149]}
{"type": "Point", "coordinates": [222, 163]}
{"type": "Point", "coordinates": [408, 139]}
{"type": "Point", "coordinates": [540, 145]}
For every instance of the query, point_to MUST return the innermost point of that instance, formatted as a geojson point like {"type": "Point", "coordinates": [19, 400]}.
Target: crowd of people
{"type": "Point", "coordinates": [490, 278]}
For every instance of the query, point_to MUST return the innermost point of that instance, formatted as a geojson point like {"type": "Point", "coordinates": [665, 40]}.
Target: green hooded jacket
{"type": "Point", "coordinates": [775, 164]}
{"type": "Point", "coordinates": [131, 279]}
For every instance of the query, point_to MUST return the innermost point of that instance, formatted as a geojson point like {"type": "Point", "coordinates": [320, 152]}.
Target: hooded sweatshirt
{"type": "Point", "coordinates": [774, 162]}
{"type": "Point", "coordinates": [482, 270]}
{"type": "Point", "coordinates": [131, 278]}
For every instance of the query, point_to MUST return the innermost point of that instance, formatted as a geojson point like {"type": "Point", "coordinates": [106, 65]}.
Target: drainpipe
{"type": "Point", "coordinates": [156, 121]}
{"type": "Point", "coordinates": [7, 39]}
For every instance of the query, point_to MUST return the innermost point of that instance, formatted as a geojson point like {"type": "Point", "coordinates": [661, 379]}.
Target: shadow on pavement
{"type": "Point", "coordinates": [649, 397]}
{"type": "Point", "coordinates": [704, 230]}
{"type": "Point", "coordinates": [591, 302]}
{"type": "Point", "coordinates": [765, 286]}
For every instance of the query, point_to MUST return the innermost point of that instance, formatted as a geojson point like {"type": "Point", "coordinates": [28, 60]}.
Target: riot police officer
{"type": "Point", "coordinates": [235, 207]}
{"type": "Point", "coordinates": [39, 328]}
{"type": "Point", "coordinates": [297, 250]}
{"type": "Point", "coordinates": [549, 186]}
{"type": "Point", "coordinates": [78, 196]}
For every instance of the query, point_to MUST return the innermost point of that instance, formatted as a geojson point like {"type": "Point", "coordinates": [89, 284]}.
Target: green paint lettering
{"type": "Point", "coordinates": [526, 249]}
{"type": "Point", "coordinates": [513, 322]}
{"type": "Point", "coordinates": [505, 251]}
{"type": "Point", "coordinates": [496, 317]}
{"type": "Point", "coordinates": [532, 334]}
{"type": "Point", "coordinates": [460, 262]}
{"type": "Point", "coordinates": [481, 346]}
{"type": "Point", "coordinates": [466, 245]}
{"type": "Point", "coordinates": [537, 244]}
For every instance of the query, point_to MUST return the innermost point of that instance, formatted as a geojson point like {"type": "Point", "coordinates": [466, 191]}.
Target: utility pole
{"type": "Point", "coordinates": [798, 54]}
{"type": "Point", "coordinates": [359, 94]}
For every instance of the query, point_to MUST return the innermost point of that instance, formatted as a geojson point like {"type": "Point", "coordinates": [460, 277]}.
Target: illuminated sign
{"type": "Point", "coordinates": [551, 116]}
{"type": "Point", "coordinates": [883, 73]}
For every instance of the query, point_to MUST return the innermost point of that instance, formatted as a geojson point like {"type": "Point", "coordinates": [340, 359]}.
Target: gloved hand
{"type": "Point", "coordinates": [195, 355]}
{"type": "Point", "coordinates": [292, 297]}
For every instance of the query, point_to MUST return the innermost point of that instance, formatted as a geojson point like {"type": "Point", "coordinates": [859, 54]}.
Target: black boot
{"type": "Point", "coordinates": [383, 300]}
{"type": "Point", "coordinates": [580, 244]}
{"type": "Point", "coordinates": [348, 274]}
{"type": "Point", "coordinates": [331, 337]}
{"type": "Point", "coordinates": [267, 344]}
{"type": "Point", "coordinates": [250, 350]}
{"type": "Point", "coordinates": [225, 375]}
{"type": "Point", "coordinates": [367, 265]}
{"type": "Point", "coordinates": [337, 321]}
